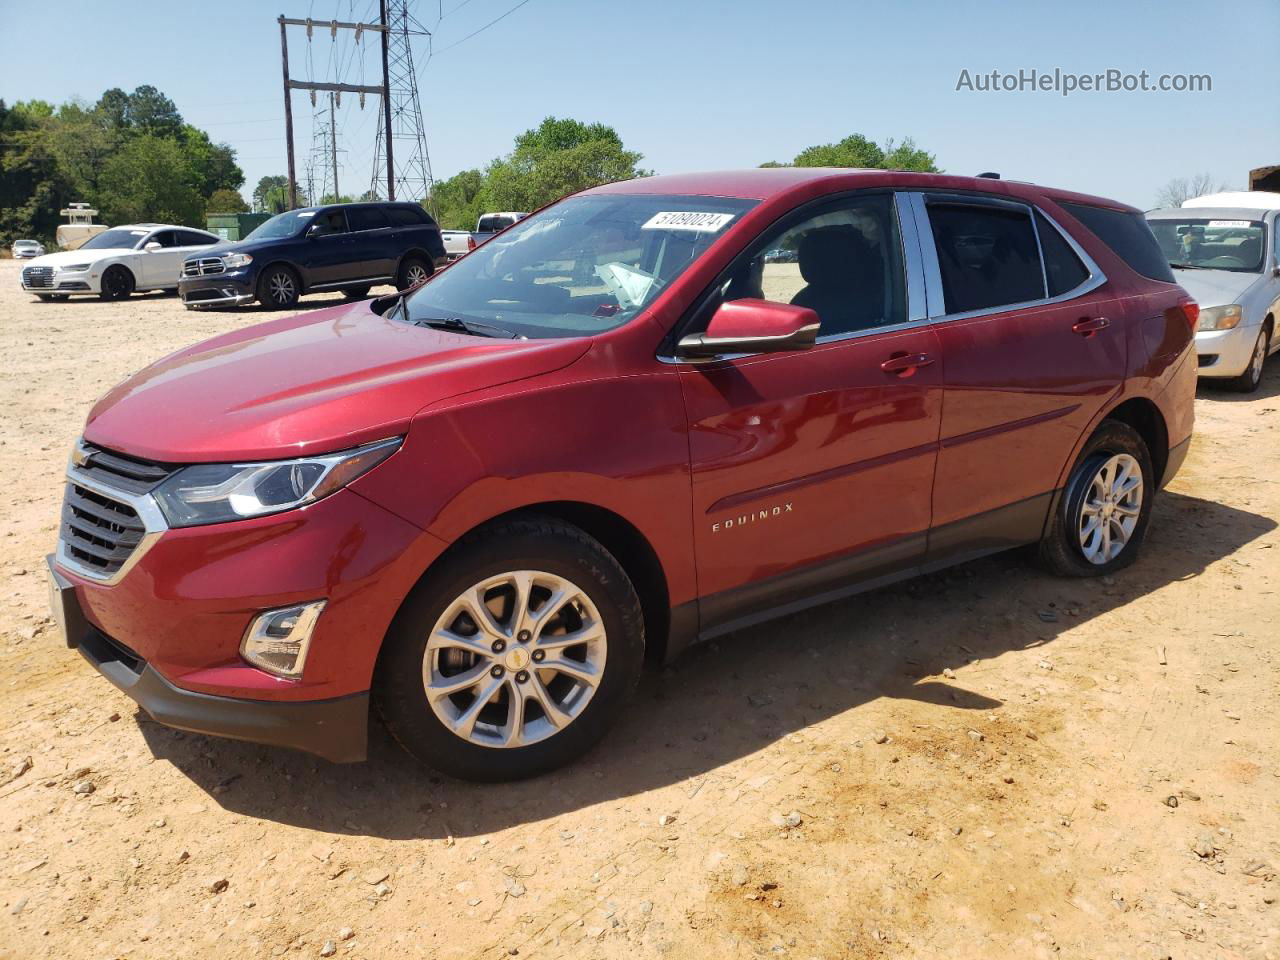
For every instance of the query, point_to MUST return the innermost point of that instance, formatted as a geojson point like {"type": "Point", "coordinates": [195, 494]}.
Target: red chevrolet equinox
{"type": "Point", "coordinates": [654, 412]}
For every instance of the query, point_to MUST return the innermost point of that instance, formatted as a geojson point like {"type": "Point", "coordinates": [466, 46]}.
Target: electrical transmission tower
{"type": "Point", "coordinates": [401, 163]}
{"type": "Point", "coordinates": [322, 162]}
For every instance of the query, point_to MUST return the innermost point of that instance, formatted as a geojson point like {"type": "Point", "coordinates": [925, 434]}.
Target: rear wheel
{"type": "Point", "coordinates": [356, 293]}
{"type": "Point", "coordinates": [117, 283]}
{"type": "Point", "coordinates": [1249, 381]}
{"type": "Point", "coordinates": [413, 271]}
{"type": "Point", "coordinates": [278, 288]}
{"type": "Point", "coordinates": [1103, 513]}
{"type": "Point", "coordinates": [515, 656]}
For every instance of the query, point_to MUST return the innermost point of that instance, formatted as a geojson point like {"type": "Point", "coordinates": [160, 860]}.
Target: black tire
{"type": "Point", "coordinates": [356, 293]}
{"type": "Point", "coordinates": [117, 283]}
{"type": "Point", "coordinates": [413, 270]}
{"type": "Point", "coordinates": [1061, 549]}
{"type": "Point", "coordinates": [1251, 379]}
{"type": "Point", "coordinates": [533, 543]}
{"type": "Point", "coordinates": [279, 287]}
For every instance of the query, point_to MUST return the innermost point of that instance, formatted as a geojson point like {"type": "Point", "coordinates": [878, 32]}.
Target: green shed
{"type": "Point", "coordinates": [234, 226]}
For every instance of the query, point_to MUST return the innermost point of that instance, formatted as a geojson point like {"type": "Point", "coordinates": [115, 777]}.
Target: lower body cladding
{"type": "Point", "coordinates": [169, 633]}
{"type": "Point", "coordinates": [1226, 353]}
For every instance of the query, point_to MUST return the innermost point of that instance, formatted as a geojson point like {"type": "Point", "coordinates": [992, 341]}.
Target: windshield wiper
{"type": "Point", "coordinates": [472, 327]}
{"type": "Point", "coordinates": [1189, 266]}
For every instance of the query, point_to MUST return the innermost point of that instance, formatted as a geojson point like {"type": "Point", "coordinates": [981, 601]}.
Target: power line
{"type": "Point", "coordinates": [484, 28]}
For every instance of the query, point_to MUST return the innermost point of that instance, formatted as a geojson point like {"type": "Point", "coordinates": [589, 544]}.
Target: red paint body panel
{"type": "Point", "coordinates": [866, 457]}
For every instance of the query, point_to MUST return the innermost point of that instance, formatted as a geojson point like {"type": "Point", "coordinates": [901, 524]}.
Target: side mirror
{"type": "Point", "coordinates": [152, 247]}
{"type": "Point", "coordinates": [753, 326]}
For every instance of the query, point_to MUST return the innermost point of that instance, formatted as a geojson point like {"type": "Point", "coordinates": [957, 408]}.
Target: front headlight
{"type": "Point", "coordinates": [219, 492]}
{"type": "Point", "coordinates": [74, 268]}
{"type": "Point", "coordinates": [1219, 318]}
{"type": "Point", "coordinates": [233, 260]}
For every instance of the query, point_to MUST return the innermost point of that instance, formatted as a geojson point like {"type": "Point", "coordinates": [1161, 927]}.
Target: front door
{"type": "Point", "coordinates": [327, 259]}
{"type": "Point", "coordinates": [1035, 345]}
{"type": "Point", "coordinates": [813, 470]}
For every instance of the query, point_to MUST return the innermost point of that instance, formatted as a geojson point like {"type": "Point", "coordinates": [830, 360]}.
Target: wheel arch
{"type": "Point", "coordinates": [629, 546]}
{"type": "Point", "coordinates": [280, 262]}
{"type": "Point", "coordinates": [421, 254]}
{"type": "Point", "coordinates": [1145, 417]}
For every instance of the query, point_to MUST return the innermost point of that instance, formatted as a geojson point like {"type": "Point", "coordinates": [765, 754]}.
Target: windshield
{"type": "Point", "coordinates": [586, 265]}
{"type": "Point", "coordinates": [1235, 245]}
{"type": "Point", "coordinates": [118, 239]}
{"type": "Point", "coordinates": [282, 225]}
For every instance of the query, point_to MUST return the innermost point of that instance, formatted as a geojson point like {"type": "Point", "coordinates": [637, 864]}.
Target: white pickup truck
{"type": "Point", "coordinates": [458, 243]}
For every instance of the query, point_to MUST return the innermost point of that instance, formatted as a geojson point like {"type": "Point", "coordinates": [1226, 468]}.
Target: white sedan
{"type": "Point", "coordinates": [26, 249]}
{"type": "Point", "coordinates": [116, 262]}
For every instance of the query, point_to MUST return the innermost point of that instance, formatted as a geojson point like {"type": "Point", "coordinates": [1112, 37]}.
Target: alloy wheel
{"type": "Point", "coordinates": [281, 287]}
{"type": "Point", "coordinates": [1259, 357]}
{"type": "Point", "coordinates": [416, 274]}
{"type": "Point", "coordinates": [514, 659]}
{"type": "Point", "coordinates": [1111, 509]}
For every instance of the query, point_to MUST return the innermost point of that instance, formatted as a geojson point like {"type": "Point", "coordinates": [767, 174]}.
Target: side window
{"type": "Point", "coordinates": [325, 224]}
{"type": "Point", "coordinates": [164, 237]}
{"type": "Point", "coordinates": [404, 217]}
{"type": "Point", "coordinates": [987, 256]}
{"type": "Point", "coordinates": [189, 238]}
{"type": "Point", "coordinates": [1128, 236]}
{"type": "Point", "coordinates": [366, 218]}
{"type": "Point", "coordinates": [1062, 267]}
{"type": "Point", "coordinates": [844, 263]}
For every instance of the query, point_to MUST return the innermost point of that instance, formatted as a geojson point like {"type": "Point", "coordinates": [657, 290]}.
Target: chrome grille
{"type": "Point", "coordinates": [37, 277]}
{"type": "Point", "coordinates": [107, 514]}
{"type": "Point", "coordinates": [203, 267]}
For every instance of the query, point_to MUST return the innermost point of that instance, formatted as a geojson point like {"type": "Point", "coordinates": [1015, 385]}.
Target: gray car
{"type": "Point", "coordinates": [1226, 258]}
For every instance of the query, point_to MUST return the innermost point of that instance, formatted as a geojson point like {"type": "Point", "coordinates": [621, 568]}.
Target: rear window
{"type": "Point", "coordinates": [987, 256]}
{"type": "Point", "coordinates": [494, 224]}
{"type": "Point", "coordinates": [1128, 236]}
{"type": "Point", "coordinates": [1062, 268]}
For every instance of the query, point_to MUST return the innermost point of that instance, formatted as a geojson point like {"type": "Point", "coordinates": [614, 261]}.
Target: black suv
{"type": "Point", "coordinates": [346, 246]}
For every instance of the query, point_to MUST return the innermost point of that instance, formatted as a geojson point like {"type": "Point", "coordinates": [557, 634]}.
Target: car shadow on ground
{"type": "Point", "coordinates": [726, 700]}
{"type": "Point", "coordinates": [1218, 391]}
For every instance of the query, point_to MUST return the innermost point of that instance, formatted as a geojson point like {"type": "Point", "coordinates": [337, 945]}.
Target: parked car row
{"type": "Point", "coordinates": [458, 243]}
{"type": "Point", "coordinates": [620, 426]}
{"type": "Point", "coordinates": [347, 247]}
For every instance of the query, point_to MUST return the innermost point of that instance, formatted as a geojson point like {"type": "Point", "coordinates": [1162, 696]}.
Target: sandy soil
{"type": "Point", "coordinates": [989, 762]}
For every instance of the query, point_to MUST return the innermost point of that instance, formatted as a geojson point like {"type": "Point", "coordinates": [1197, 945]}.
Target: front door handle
{"type": "Point", "coordinates": [905, 364]}
{"type": "Point", "coordinates": [1088, 326]}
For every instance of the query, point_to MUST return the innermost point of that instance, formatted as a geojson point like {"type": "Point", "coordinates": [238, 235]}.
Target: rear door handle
{"type": "Point", "coordinates": [1088, 326]}
{"type": "Point", "coordinates": [904, 364]}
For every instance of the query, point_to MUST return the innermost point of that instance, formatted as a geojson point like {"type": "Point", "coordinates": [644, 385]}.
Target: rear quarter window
{"type": "Point", "coordinates": [407, 217]}
{"type": "Point", "coordinates": [1128, 236]}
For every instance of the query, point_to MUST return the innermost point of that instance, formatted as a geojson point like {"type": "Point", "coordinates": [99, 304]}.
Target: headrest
{"type": "Point", "coordinates": [830, 255]}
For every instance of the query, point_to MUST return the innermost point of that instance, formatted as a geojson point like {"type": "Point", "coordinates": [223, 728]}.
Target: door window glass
{"type": "Point", "coordinates": [1062, 267]}
{"type": "Point", "coordinates": [987, 256]}
{"type": "Point", "coordinates": [367, 218]}
{"type": "Point", "coordinates": [844, 263]}
{"type": "Point", "coordinates": [326, 224]}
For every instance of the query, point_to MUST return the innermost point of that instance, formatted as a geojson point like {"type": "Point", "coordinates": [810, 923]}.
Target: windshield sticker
{"type": "Point", "coordinates": [1229, 223]}
{"type": "Point", "coordinates": [687, 220]}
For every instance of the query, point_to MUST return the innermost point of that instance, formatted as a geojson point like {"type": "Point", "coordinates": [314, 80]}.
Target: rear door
{"type": "Point", "coordinates": [813, 470]}
{"type": "Point", "coordinates": [160, 268]}
{"type": "Point", "coordinates": [373, 244]}
{"type": "Point", "coordinates": [1034, 345]}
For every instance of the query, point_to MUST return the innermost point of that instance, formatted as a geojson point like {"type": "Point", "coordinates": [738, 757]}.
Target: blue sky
{"type": "Point", "coordinates": [696, 84]}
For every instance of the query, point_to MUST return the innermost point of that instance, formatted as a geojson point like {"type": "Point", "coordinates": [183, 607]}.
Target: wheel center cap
{"type": "Point", "coordinates": [517, 658]}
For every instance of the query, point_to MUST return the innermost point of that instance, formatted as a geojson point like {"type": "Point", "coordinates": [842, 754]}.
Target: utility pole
{"type": "Point", "coordinates": [289, 85]}
{"type": "Point", "coordinates": [288, 115]}
{"type": "Point", "coordinates": [386, 102]}
{"type": "Point", "coordinates": [333, 150]}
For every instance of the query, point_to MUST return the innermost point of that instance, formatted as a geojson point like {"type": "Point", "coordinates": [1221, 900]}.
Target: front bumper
{"type": "Point", "coordinates": [228, 289]}
{"type": "Point", "coordinates": [335, 729]}
{"type": "Point", "coordinates": [1225, 353]}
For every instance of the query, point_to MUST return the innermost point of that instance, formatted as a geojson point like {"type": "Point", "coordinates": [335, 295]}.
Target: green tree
{"type": "Point", "coordinates": [457, 201]}
{"type": "Point", "coordinates": [226, 201]}
{"type": "Point", "coordinates": [559, 157]}
{"type": "Point", "coordinates": [856, 150]}
{"type": "Point", "coordinates": [150, 179]}
{"type": "Point", "coordinates": [32, 189]}
{"type": "Point", "coordinates": [214, 164]}
{"type": "Point", "coordinates": [271, 195]}
{"type": "Point", "coordinates": [150, 111]}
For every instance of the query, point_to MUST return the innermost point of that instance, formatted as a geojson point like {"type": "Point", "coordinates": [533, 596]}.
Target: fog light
{"type": "Point", "coordinates": [277, 641]}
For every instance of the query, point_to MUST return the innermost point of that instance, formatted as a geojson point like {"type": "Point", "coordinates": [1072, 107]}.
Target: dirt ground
{"type": "Point", "coordinates": [988, 762]}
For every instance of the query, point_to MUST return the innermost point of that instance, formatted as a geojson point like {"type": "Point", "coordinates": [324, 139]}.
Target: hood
{"type": "Point", "coordinates": [311, 383]}
{"type": "Point", "coordinates": [64, 258]}
{"type": "Point", "coordinates": [1214, 288]}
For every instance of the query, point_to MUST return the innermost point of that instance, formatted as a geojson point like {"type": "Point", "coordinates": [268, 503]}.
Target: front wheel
{"type": "Point", "coordinates": [117, 283]}
{"type": "Point", "coordinates": [1102, 515]}
{"type": "Point", "coordinates": [1249, 381]}
{"type": "Point", "coordinates": [514, 656]}
{"type": "Point", "coordinates": [278, 288]}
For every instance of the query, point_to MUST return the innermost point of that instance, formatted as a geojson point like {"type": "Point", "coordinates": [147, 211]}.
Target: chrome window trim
{"type": "Point", "coordinates": [143, 504]}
